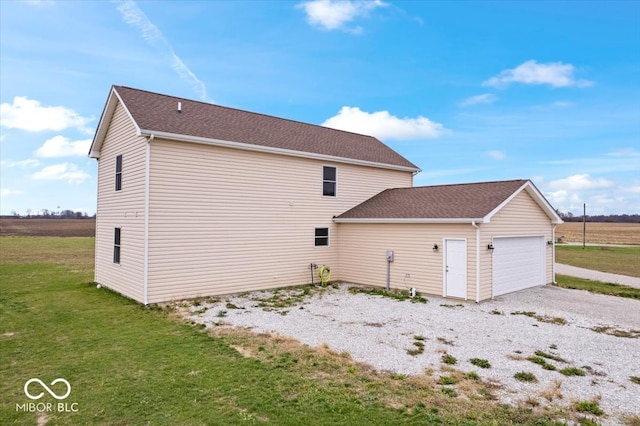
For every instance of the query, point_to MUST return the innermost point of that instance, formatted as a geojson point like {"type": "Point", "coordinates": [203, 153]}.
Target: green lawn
{"type": "Point", "coordinates": [617, 260]}
{"type": "Point", "coordinates": [598, 287]}
{"type": "Point", "coordinates": [128, 364]}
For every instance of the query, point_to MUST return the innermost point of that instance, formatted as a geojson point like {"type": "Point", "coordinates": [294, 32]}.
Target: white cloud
{"type": "Point", "coordinates": [485, 98]}
{"type": "Point", "coordinates": [23, 163]}
{"type": "Point", "coordinates": [579, 183]}
{"type": "Point", "coordinates": [556, 74]}
{"type": "Point", "coordinates": [334, 14]}
{"type": "Point", "coordinates": [132, 15]}
{"type": "Point", "coordinates": [497, 155]}
{"type": "Point", "coordinates": [563, 197]}
{"type": "Point", "coordinates": [60, 146]}
{"type": "Point", "coordinates": [5, 192]}
{"type": "Point", "coordinates": [65, 171]}
{"type": "Point", "coordinates": [383, 125]}
{"type": "Point", "coordinates": [27, 114]}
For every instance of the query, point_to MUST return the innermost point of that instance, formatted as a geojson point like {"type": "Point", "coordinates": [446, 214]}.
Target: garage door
{"type": "Point", "coordinates": [518, 263]}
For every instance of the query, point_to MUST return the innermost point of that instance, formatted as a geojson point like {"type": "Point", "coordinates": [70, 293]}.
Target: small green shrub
{"type": "Point", "coordinates": [572, 371]}
{"type": "Point", "coordinates": [232, 306]}
{"type": "Point", "coordinates": [472, 375]}
{"type": "Point", "coordinates": [449, 392]}
{"type": "Point", "coordinates": [447, 380]}
{"type": "Point", "coordinates": [635, 379]}
{"type": "Point", "coordinates": [542, 362]}
{"type": "Point", "coordinates": [588, 407]}
{"type": "Point", "coordinates": [449, 359]}
{"type": "Point", "coordinates": [479, 362]}
{"type": "Point", "coordinates": [222, 314]}
{"type": "Point", "coordinates": [419, 346]}
{"type": "Point", "coordinates": [524, 376]}
{"type": "Point", "coordinates": [496, 312]}
{"type": "Point", "coordinates": [549, 356]}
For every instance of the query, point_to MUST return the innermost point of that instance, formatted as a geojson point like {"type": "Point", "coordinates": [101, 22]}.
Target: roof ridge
{"type": "Point", "coordinates": [246, 111]}
{"type": "Point", "coordinates": [468, 183]}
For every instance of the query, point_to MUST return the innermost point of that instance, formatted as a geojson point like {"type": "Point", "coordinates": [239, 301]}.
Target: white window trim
{"type": "Point", "coordinates": [328, 228]}
{"type": "Point", "coordinates": [335, 193]}
{"type": "Point", "coordinates": [118, 173]}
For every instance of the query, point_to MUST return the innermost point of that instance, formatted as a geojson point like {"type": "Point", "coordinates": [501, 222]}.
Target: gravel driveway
{"type": "Point", "coordinates": [598, 334]}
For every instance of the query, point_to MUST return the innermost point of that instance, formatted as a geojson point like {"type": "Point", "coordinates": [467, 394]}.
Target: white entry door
{"type": "Point", "coordinates": [455, 268]}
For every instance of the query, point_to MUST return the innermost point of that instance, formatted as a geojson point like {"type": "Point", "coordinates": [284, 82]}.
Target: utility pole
{"type": "Point", "coordinates": [584, 225]}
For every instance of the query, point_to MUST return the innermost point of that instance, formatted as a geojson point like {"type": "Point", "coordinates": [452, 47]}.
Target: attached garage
{"type": "Point", "coordinates": [469, 241]}
{"type": "Point", "coordinates": [518, 263]}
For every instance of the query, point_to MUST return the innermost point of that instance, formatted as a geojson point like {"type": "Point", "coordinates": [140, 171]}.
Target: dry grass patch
{"type": "Point", "coordinates": [552, 391]}
{"type": "Point", "coordinates": [454, 395]}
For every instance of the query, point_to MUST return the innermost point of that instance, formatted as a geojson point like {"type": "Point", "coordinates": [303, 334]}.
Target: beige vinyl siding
{"type": "Point", "coordinates": [121, 209]}
{"type": "Point", "coordinates": [363, 249]}
{"type": "Point", "coordinates": [521, 217]}
{"type": "Point", "coordinates": [225, 220]}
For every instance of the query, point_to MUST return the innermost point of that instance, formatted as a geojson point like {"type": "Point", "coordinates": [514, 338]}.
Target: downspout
{"type": "Point", "coordinates": [147, 173]}
{"type": "Point", "coordinates": [473, 223]}
{"type": "Point", "coordinates": [553, 254]}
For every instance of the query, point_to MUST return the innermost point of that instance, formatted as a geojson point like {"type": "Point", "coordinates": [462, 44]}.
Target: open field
{"type": "Point", "coordinates": [129, 364]}
{"type": "Point", "coordinates": [615, 260]}
{"type": "Point", "coordinates": [48, 227]}
{"type": "Point", "coordinates": [600, 233]}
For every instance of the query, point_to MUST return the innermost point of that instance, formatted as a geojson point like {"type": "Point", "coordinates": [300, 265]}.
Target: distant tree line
{"type": "Point", "coordinates": [49, 214]}
{"type": "Point", "coordinates": [612, 218]}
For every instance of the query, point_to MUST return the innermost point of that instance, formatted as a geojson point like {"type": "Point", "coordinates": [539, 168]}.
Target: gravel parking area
{"type": "Point", "coordinates": [600, 335]}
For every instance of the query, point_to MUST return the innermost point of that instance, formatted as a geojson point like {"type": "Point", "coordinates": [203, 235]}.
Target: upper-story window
{"type": "Point", "coordinates": [118, 172]}
{"type": "Point", "coordinates": [328, 181]}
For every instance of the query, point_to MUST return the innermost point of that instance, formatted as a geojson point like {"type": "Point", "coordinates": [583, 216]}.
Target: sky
{"type": "Point", "coordinates": [469, 91]}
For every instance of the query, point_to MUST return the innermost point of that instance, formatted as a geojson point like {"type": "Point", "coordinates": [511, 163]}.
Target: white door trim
{"type": "Point", "coordinates": [445, 276]}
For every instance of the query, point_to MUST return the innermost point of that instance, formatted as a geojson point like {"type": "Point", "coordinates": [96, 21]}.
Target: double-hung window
{"type": "Point", "coordinates": [116, 245]}
{"type": "Point", "coordinates": [322, 237]}
{"type": "Point", "coordinates": [328, 181]}
{"type": "Point", "coordinates": [119, 173]}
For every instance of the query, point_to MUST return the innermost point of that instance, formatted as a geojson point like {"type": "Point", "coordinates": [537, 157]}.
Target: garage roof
{"type": "Point", "coordinates": [187, 120]}
{"type": "Point", "coordinates": [460, 203]}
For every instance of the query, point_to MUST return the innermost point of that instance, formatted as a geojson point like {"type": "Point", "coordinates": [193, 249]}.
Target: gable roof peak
{"type": "Point", "coordinates": [202, 122]}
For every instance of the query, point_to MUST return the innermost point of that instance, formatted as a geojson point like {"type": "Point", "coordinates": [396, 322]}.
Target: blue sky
{"type": "Point", "coordinates": [469, 91]}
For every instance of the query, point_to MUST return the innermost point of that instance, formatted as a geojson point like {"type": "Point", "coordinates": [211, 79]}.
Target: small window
{"type": "Point", "coordinates": [118, 172]}
{"type": "Point", "coordinates": [116, 246]}
{"type": "Point", "coordinates": [328, 181]}
{"type": "Point", "coordinates": [322, 237]}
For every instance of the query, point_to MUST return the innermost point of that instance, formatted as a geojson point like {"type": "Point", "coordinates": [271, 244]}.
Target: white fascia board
{"type": "Point", "coordinates": [407, 220]}
{"type": "Point", "coordinates": [537, 197]}
{"type": "Point", "coordinates": [105, 120]}
{"type": "Point", "coordinates": [272, 150]}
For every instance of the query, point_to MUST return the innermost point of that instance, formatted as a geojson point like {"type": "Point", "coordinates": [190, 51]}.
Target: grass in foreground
{"type": "Point", "coordinates": [598, 287]}
{"type": "Point", "coordinates": [616, 260]}
{"type": "Point", "coordinates": [129, 364]}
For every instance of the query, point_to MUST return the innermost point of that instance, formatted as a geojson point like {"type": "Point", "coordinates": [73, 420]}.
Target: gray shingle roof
{"type": "Point", "coordinates": [158, 113]}
{"type": "Point", "coordinates": [460, 201]}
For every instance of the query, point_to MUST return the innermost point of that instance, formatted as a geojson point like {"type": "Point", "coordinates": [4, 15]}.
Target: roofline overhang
{"type": "Point", "coordinates": [273, 150]}
{"type": "Point", "coordinates": [537, 197]}
{"type": "Point", "coordinates": [105, 120]}
{"type": "Point", "coordinates": [409, 220]}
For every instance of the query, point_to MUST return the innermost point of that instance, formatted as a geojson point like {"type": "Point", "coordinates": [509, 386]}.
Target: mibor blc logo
{"type": "Point", "coordinates": [60, 407]}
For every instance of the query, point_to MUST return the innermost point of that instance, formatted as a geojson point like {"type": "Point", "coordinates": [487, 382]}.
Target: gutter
{"type": "Point", "coordinates": [477, 260]}
{"type": "Point", "coordinates": [408, 220]}
{"type": "Point", "coordinates": [553, 254]}
{"type": "Point", "coordinates": [147, 173]}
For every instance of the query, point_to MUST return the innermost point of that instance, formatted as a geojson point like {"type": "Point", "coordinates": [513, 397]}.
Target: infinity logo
{"type": "Point", "coordinates": [26, 390]}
